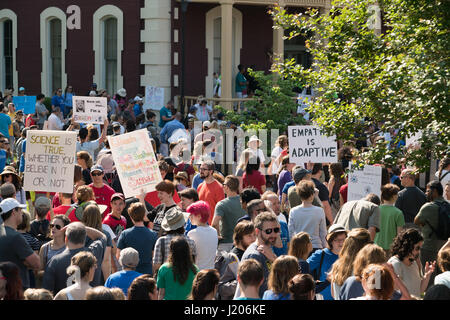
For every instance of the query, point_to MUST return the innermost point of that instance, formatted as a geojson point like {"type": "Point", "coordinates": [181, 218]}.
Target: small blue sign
{"type": "Point", "coordinates": [25, 103]}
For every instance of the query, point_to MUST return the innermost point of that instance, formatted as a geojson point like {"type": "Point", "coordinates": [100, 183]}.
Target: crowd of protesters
{"type": "Point", "coordinates": [270, 230]}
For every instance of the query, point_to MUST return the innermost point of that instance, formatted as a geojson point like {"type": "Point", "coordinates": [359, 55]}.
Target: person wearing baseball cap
{"type": "Point", "coordinates": [102, 191]}
{"type": "Point", "coordinates": [115, 220]}
{"type": "Point", "coordinates": [13, 246]}
{"type": "Point", "coordinates": [128, 259]}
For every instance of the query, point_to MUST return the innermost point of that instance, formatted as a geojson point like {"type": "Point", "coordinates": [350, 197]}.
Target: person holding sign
{"type": "Point", "coordinates": [90, 146]}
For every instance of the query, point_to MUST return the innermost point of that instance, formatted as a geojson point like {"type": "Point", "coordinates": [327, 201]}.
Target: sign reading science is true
{"type": "Point", "coordinates": [89, 109]}
{"type": "Point", "coordinates": [310, 144]}
{"type": "Point", "coordinates": [135, 162]}
{"type": "Point", "coordinates": [50, 161]}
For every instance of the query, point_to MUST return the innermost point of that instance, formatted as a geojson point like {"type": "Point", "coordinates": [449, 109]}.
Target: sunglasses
{"type": "Point", "coordinates": [57, 226]}
{"type": "Point", "coordinates": [96, 174]}
{"type": "Point", "coordinates": [7, 175]}
{"type": "Point", "coordinates": [269, 231]}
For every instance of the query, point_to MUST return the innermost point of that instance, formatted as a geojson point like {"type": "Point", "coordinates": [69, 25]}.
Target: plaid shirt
{"type": "Point", "coordinates": [157, 252]}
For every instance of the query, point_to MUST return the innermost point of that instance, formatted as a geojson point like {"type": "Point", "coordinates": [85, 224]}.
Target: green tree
{"type": "Point", "coordinates": [396, 80]}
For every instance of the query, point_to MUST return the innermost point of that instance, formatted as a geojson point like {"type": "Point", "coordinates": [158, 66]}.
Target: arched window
{"type": "Point", "coordinates": [108, 46]}
{"type": "Point", "coordinates": [53, 46]}
{"type": "Point", "coordinates": [8, 46]}
{"type": "Point", "coordinates": [110, 54]}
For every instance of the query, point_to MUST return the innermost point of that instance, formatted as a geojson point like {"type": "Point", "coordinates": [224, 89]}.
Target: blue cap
{"type": "Point", "coordinates": [97, 167]}
{"type": "Point", "coordinates": [21, 89]}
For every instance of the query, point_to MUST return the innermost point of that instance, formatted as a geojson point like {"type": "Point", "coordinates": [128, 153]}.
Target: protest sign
{"type": "Point", "coordinates": [135, 162]}
{"type": "Point", "coordinates": [309, 143]}
{"type": "Point", "coordinates": [364, 181]}
{"type": "Point", "coordinates": [413, 141]}
{"type": "Point", "coordinates": [50, 160]}
{"type": "Point", "coordinates": [25, 103]}
{"type": "Point", "coordinates": [154, 98]}
{"type": "Point", "coordinates": [89, 109]}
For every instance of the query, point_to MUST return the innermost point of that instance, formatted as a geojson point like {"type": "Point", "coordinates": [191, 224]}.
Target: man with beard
{"type": "Point", "coordinates": [405, 261]}
{"type": "Point", "coordinates": [210, 190]}
{"type": "Point", "coordinates": [267, 229]}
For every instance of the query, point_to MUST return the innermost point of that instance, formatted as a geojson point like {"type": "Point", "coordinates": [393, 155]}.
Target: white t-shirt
{"type": "Point", "coordinates": [310, 220]}
{"type": "Point", "coordinates": [281, 217]}
{"type": "Point", "coordinates": [410, 275]}
{"type": "Point", "coordinates": [444, 180]}
{"type": "Point", "coordinates": [275, 153]}
{"type": "Point", "coordinates": [54, 122]}
{"type": "Point", "coordinates": [206, 241]}
{"type": "Point", "coordinates": [443, 278]}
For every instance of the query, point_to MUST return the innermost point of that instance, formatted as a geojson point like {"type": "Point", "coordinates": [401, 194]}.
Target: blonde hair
{"type": "Point", "coordinates": [284, 268]}
{"type": "Point", "coordinates": [37, 294]}
{"type": "Point", "coordinates": [343, 267]}
{"type": "Point", "coordinates": [370, 253]}
{"type": "Point", "coordinates": [82, 261]}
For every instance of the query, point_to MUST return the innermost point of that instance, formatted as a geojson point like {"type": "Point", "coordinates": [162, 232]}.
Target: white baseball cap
{"type": "Point", "coordinates": [10, 204]}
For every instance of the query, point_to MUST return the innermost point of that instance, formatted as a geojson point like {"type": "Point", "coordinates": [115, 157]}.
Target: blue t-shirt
{"type": "Point", "coordinates": [122, 279]}
{"type": "Point", "coordinates": [143, 240]}
{"type": "Point", "coordinates": [270, 295]}
{"type": "Point", "coordinates": [137, 110]}
{"type": "Point", "coordinates": [284, 239]}
{"type": "Point", "coordinates": [196, 181]}
{"type": "Point", "coordinates": [58, 101]}
{"type": "Point", "coordinates": [164, 112]}
{"type": "Point", "coordinates": [5, 122]}
{"type": "Point", "coordinates": [67, 99]}
{"type": "Point", "coordinates": [2, 159]}
{"type": "Point", "coordinates": [328, 260]}
{"type": "Point", "coordinates": [287, 186]}
{"type": "Point", "coordinates": [352, 288]}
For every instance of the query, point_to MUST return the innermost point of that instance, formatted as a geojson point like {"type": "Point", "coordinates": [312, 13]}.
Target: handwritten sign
{"type": "Point", "coordinates": [135, 162]}
{"type": "Point", "coordinates": [89, 109]}
{"type": "Point", "coordinates": [25, 103]}
{"type": "Point", "coordinates": [154, 98]}
{"type": "Point", "coordinates": [309, 143]}
{"type": "Point", "coordinates": [365, 181]}
{"type": "Point", "coordinates": [413, 141]}
{"type": "Point", "coordinates": [50, 161]}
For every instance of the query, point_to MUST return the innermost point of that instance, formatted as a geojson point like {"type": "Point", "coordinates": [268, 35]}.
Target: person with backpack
{"type": "Point", "coordinates": [434, 220]}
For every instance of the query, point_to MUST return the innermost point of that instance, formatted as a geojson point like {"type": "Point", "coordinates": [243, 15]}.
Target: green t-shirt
{"type": "Point", "coordinates": [240, 78]}
{"type": "Point", "coordinates": [294, 199]}
{"type": "Point", "coordinates": [390, 219]}
{"type": "Point", "coordinates": [173, 289]}
{"type": "Point", "coordinates": [230, 210]}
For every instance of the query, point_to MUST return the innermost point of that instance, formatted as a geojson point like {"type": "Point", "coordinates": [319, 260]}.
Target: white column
{"type": "Point", "coordinates": [226, 7]}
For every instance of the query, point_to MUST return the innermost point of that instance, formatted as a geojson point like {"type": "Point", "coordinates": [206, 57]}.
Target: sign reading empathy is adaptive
{"type": "Point", "coordinates": [310, 144]}
{"type": "Point", "coordinates": [135, 162]}
{"type": "Point", "coordinates": [89, 109]}
{"type": "Point", "coordinates": [365, 181]}
{"type": "Point", "coordinates": [50, 160]}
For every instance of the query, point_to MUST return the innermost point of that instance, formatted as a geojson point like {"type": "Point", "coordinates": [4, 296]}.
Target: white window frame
{"type": "Point", "coordinates": [7, 14]}
{"type": "Point", "coordinates": [100, 15]}
{"type": "Point", "coordinates": [47, 15]}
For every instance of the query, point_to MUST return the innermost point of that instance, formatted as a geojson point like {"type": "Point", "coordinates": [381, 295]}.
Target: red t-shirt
{"type": "Point", "coordinates": [60, 210]}
{"type": "Point", "coordinates": [344, 192]}
{"type": "Point", "coordinates": [256, 180]}
{"type": "Point", "coordinates": [117, 225]}
{"type": "Point", "coordinates": [152, 198]}
{"type": "Point", "coordinates": [211, 193]}
{"type": "Point", "coordinates": [103, 196]}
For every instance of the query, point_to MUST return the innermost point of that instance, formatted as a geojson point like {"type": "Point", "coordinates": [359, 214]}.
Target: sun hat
{"type": "Point", "coordinates": [254, 138]}
{"type": "Point", "coordinates": [122, 92]}
{"type": "Point", "coordinates": [174, 219]}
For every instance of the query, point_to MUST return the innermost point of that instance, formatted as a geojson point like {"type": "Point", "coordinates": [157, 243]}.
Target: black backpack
{"type": "Point", "coordinates": [443, 230]}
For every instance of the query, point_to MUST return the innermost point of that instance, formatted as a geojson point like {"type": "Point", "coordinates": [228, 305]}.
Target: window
{"type": "Point", "coordinates": [55, 54]}
{"type": "Point", "coordinates": [295, 48]}
{"type": "Point", "coordinates": [110, 54]}
{"type": "Point", "coordinates": [7, 63]}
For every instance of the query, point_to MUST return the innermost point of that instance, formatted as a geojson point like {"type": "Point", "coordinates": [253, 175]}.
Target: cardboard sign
{"type": "Point", "coordinates": [365, 181]}
{"type": "Point", "coordinates": [50, 159]}
{"type": "Point", "coordinates": [309, 143]}
{"type": "Point", "coordinates": [154, 98]}
{"type": "Point", "coordinates": [25, 103]}
{"type": "Point", "coordinates": [89, 109]}
{"type": "Point", "coordinates": [135, 162]}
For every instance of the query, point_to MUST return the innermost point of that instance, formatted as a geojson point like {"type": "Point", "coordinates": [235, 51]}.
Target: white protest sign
{"type": "Point", "coordinates": [50, 160]}
{"type": "Point", "coordinates": [178, 135]}
{"type": "Point", "coordinates": [154, 98]}
{"type": "Point", "coordinates": [90, 109]}
{"type": "Point", "coordinates": [365, 181]}
{"type": "Point", "coordinates": [414, 139]}
{"type": "Point", "coordinates": [309, 143]}
{"type": "Point", "coordinates": [135, 162]}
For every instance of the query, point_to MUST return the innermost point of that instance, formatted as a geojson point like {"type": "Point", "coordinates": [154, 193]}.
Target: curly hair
{"type": "Point", "coordinates": [404, 243]}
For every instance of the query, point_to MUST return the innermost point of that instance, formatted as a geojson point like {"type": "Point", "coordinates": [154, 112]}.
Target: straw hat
{"type": "Point", "coordinates": [254, 138]}
{"type": "Point", "coordinates": [11, 170]}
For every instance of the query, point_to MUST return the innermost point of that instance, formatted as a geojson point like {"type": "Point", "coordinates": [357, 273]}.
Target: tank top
{"type": "Point", "coordinates": [49, 252]}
